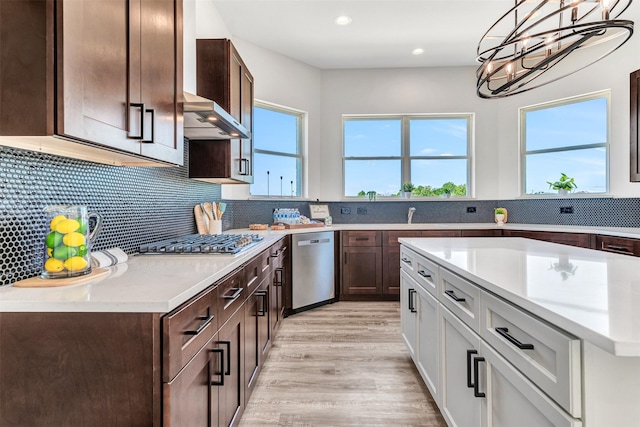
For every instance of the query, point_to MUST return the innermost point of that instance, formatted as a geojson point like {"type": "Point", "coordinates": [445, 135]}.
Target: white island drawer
{"type": "Point", "coordinates": [549, 357]}
{"type": "Point", "coordinates": [408, 261]}
{"type": "Point", "coordinates": [426, 273]}
{"type": "Point", "coordinates": [461, 297]}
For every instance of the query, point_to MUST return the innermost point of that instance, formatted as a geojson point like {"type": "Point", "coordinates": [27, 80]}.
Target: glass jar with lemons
{"type": "Point", "coordinates": [67, 249]}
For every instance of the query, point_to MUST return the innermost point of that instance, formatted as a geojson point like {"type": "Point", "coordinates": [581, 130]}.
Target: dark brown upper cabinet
{"type": "Point", "coordinates": [100, 81]}
{"type": "Point", "coordinates": [635, 126]}
{"type": "Point", "coordinates": [223, 77]}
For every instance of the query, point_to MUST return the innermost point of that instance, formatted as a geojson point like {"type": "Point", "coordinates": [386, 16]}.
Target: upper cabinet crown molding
{"type": "Point", "coordinates": [99, 81]}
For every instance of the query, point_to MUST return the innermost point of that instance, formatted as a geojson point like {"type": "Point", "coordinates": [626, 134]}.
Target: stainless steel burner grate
{"type": "Point", "coordinates": [195, 244]}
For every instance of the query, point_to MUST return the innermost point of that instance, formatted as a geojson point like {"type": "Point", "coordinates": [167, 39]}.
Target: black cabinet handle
{"type": "Point", "coordinates": [406, 261]}
{"type": "Point", "coordinates": [360, 239]}
{"type": "Point", "coordinates": [476, 388]}
{"type": "Point", "coordinates": [424, 274]}
{"type": "Point", "coordinates": [262, 311]}
{"type": "Point", "coordinates": [279, 281]}
{"type": "Point", "coordinates": [504, 332]}
{"type": "Point", "coordinates": [616, 248]}
{"type": "Point", "coordinates": [228, 344]}
{"type": "Point", "coordinates": [205, 322]}
{"type": "Point", "coordinates": [153, 125]}
{"type": "Point", "coordinates": [412, 307]}
{"type": "Point", "coordinates": [142, 110]}
{"type": "Point", "coordinates": [236, 293]}
{"type": "Point", "coordinates": [453, 296]}
{"type": "Point", "coordinates": [220, 351]}
{"type": "Point", "coordinates": [469, 354]}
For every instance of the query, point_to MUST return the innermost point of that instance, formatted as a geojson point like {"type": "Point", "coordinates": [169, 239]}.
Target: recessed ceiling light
{"type": "Point", "coordinates": [343, 20]}
{"type": "Point", "coordinates": [418, 51]}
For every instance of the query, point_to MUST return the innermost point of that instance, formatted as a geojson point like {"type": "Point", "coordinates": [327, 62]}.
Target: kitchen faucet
{"type": "Point", "coordinates": [410, 216]}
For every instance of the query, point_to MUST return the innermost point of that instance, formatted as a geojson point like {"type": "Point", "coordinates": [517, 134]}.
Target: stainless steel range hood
{"type": "Point", "coordinates": [204, 119]}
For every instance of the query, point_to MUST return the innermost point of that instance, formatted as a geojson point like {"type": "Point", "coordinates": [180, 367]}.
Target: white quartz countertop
{"type": "Point", "coordinates": [160, 283]}
{"type": "Point", "coordinates": [593, 295]}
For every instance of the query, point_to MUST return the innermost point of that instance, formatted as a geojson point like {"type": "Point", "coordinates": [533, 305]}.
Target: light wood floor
{"type": "Point", "coordinates": [343, 364]}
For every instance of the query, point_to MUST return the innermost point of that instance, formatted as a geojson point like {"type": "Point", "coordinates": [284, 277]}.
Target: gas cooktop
{"type": "Point", "coordinates": [196, 244]}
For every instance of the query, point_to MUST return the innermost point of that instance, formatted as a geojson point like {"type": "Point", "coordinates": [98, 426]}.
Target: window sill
{"type": "Point", "coordinates": [568, 196]}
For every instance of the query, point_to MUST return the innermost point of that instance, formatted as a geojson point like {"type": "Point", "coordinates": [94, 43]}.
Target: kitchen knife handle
{"type": "Point", "coordinates": [236, 293]}
{"type": "Point", "coordinates": [228, 344]}
{"type": "Point", "coordinates": [220, 351]}
{"type": "Point", "coordinates": [206, 320]}
{"type": "Point", "coordinates": [142, 110]}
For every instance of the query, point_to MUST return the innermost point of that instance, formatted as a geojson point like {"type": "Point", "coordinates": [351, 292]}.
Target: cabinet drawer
{"type": "Point", "coordinates": [186, 329]}
{"type": "Point", "coordinates": [619, 245]}
{"type": "Point", "coordinates": [461, 297]}
{"type": "Point", "coordinates": [361, 238]}
{"type": "Point", "coordinates": [256, 270]}
{"type": "Point", "coordinates": [390, 238]}
{"type": "Point", "coordinates": [549, 357]}
{"type": "Point", "coordinates": [408, 261]}
{"type": "Point", "coordinates": [231, 294]}
{"type": "Point", "coordinates": [426, 274]}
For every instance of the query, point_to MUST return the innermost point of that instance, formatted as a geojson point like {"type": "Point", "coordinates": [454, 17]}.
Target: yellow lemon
{"type": "Point", "coordinates": [49, 252]}
{"type": "Point", "coordinates": [73, 239]}
{"type": "Point", "coordinates": [53, 265]}
{"type": "Point", "coordinates": [75, 263]}
{"type": "Point", "coordinates": [56, 220]}
{"type": "Point", "coordinates": [67, 226]}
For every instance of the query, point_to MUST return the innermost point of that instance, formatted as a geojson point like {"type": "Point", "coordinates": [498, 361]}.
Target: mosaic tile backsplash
{"type": "Point", "coordinates": [139, 205]}
{"type": "Point", "coordinates": [142, 205]}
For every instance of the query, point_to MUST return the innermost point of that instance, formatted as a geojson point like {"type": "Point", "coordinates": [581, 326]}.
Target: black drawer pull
{"type": "Point", "coordinates": [424, 274]}
{"type": "Point", "coordinates": [220, 351]}
{"type": "Point", "coordinates": [476, 389]}
{"type": "Point", "coordinates": [228, 344]}
{"type": "Point", "coordinates": [469, 353]}
{"type": "Point", "coordinates": [205, 322]}
{"type": "Point", "coordinates": [504, 332]}
{"type": "Point", "coordinates": [279, 281]}
{"type": "Point", "coordinates": [453, 296]}
{"type": "Point", "coordinates": [616, 248]}
{"type": "Point", "coordinates": [412, 307]}
{"type": "Point", "coordinates": [142, 110]}
{"type": "Point", "coordinates": [153, 125]}
{"type": "Point", "coordinates": [262, 311]}
{"type": "Point", "coordinates": [361, 239]}
{"type": "Point", "coordinates": [406, 261]}
{"type": "Point", "coordinates": [236, 293]}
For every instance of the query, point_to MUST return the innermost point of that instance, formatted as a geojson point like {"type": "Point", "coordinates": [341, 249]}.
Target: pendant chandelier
{"type": "Point", "coordinates": [527, 47]}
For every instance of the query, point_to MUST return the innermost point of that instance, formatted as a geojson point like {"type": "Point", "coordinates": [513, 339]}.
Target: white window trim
{"type": "Point", "coordinates": [523, 152]}
{"type": "Point", "coordinates": [302, 149]}
{"type": "Point", "coordinates": [405, 156]}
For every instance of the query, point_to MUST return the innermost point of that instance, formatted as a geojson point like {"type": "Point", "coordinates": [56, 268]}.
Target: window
{"type": "Point", "coordinates": [570, 137]}
{"type": "Point", "coordinates": [430, 151]}
{"type": "Point", "coordinates": [277, 151]}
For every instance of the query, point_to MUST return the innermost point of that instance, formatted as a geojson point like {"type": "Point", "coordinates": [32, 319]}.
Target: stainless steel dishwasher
{"type": "Point", "coordinates": [312, 270]}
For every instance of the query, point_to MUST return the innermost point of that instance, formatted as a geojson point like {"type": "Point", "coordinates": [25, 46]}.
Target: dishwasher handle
{"type": "Point", "coordinates": [313, 242]}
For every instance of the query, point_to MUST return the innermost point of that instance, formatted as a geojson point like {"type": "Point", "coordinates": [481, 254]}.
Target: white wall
{"type": "Point", "coordinates": [328, 94]}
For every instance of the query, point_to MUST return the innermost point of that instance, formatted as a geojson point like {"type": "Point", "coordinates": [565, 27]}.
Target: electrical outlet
{"type": "Point", "coordinates": [345, 211]}
{"type": "Point", "coordinates": [362, 211]}
{"type": "Point", "coordinates": [566, 209]}
{"type": "Point", "coordinates": [471, 209]}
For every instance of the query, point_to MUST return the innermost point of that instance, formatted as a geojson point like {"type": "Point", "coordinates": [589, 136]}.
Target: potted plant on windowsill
{"type": "Point", "coordinates": [564, 185]}
{"type": "Point", "coordinates": [407, 188]}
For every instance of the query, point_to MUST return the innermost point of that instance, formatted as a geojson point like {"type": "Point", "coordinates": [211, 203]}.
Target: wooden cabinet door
{"type": "Point", "coordinates": [191, 398]}
{"type": "Point", "coordinates": [362, 270]}
{"type": "Point", "coordinates": [231, 399]}
{"type": "Point", "coordinates": [459, 346]}
{"type": "Point", "coordinates": [264, 315]}
{"type": "Point", "coordinates": [161, 78]}
{"type": "Point", "coordinates": [246, 118]}
{"type": "Point", "coordinates": [93, 68]}
{"type": "Point", "coordinates": [251, 343]}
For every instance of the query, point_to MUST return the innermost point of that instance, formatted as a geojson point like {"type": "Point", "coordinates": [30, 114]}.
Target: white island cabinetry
{"type": "Point", "coordinates": [524, 338]}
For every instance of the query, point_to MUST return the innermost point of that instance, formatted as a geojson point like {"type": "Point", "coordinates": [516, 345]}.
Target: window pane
{"type": "Point", "coordinates": [437, 173]}
{"type": "Point", "coordinates": [278, 166]}
{"type": "Point", "coordinates": [588, 167]}
{"type": "Point", "coordinates": [372, 138]}
{"type": "Point", "coordinates": [438, 137]}
{"type": "Point", "coordinates": [275, 131]}
{"type": "Point", "coordinates": [381, 176]}
{"type": "Point", "coordinates": [567, 125]}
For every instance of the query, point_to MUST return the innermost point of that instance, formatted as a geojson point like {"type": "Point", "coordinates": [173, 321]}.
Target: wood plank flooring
{"type": "Point", "coordinates": [343, 364]}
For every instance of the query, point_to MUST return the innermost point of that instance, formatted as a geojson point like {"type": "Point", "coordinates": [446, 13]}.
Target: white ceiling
{"type": "Point", "coordinates": [382, 35]}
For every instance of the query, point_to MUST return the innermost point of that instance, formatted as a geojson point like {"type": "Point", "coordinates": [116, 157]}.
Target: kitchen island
{"type": "Point", "coordinates": [548, 333]}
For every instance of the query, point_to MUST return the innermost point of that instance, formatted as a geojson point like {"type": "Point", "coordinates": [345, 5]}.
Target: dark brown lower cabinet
{"type": "Point", "coordinates": [361, 270]}
{"type": "Point", "coordinates": [191, 398]}
{"type": "Point", "coordinates": [257, 336]}
{"type": "Point", "coordinates": [582, 240]}
{"type": "Point", "coordinates": [391, 259]}
{"type": "Point", "coordinates": [264, 314]}
{"type": "Point", "coordinates": [280, 254]}
{"type": "Point", "coordinates": [231, 399]}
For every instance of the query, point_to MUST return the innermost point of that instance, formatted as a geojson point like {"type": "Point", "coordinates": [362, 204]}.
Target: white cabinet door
{"type": "Point", "coordinates": [428, 340]}
{"type": "Point", "coordinates": [459, 346]}
{"type": "Point", "coordinates": [408, 312]}
{"type": "Point", "coordinates": [512, 400]}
